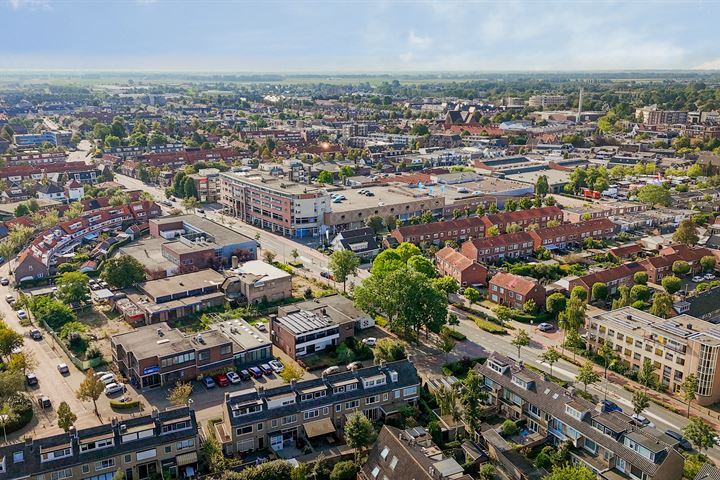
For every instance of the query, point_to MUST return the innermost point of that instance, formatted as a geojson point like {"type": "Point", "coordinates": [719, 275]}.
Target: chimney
{"type": "Point", "coordinates": [689, 326]}
{"type": "Point", "coordinates": [29, 442]}
{"type": "Point", "coordinates": [409, 357]}
{"type": "Point", "coordinates": [520, 364]}
{"type": "Point", "coordinates": [293, 383]}
{"type": "Point", "coordinates": [260, 390]}
{"type": "Point", "coordinates": [382, 364]}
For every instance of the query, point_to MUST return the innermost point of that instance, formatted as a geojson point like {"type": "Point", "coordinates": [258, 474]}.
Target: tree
{"type": "Point", "coordinates": [389, 350]}
{"type": "Point", "coordinates": [269, 256]}
{"type": "Point", "coordinates": [375, 222]}
{"type": "Point", "coordinates": [700, 434]}
{"type": "Point", "coordinates": [487, 471]}
{"type": "Point", "coordinates": [472, 396]}
{"type": "Point", "coordinates": [445, 284]}
{"type": "Point", "coordinates": [446, 343]}
{"type": "Point", "coordinates": [530, 307]}
{"type": "Point", "coordinates": [90, 389]}
{"type": "Point", "coordinates": [509, 428]}
{"type": "Point", "coordinates": [291, 371]}
{"type": "Point", "coordinates": [570, 472]}
{"type": "Point", "coordinates": [179, 395]}
{"type": "Point", "coordinates": [654, 195]}
{"type": "Point", "coordinates": [359, 432]}
{"type": "Point", "coordinates": [521, 339]}
{"type": "Point", "coordinates": [686, 233]}
{"type": "Point", "coordinates": [579, 292]}
{"type": "Point", "coordinates": [325, 177]}
{"type": "Point", "coordinates": [680, 268]}
{"type": "Point", "coordinates": [640, 292]}
{"type": "Point", "coordinates": [586, 374]}
{"type": "Point", "coordinates": [343, 264]}
{"type": "Point", "coordinates": [541, 186]}
{"type": "Point", "coordinates": [189, 203]}
{"type": "Point", "coordinates": [345, 470]}
{"type": "Point", "coordinates": [212, 455]}
{"type": "Point", "coordinates": [671, 284]}
{"type": "Point", "coordinates": [646, 374]}
{"type": "Point", "coordinates": [423, 265]}
{"type": "Point", "coordinates": [448, 400]}
{"type": "Point", "coordinates": [640, 278]}
{"type": "Point", "coordinates": [23, 361]}
{"type": "Point", "coordinates": [550, 356]}
{"type": "Point", "coordinates": [7, 416]}
{"type": "Point", "coordinates": [21, 210]}
{"type": "Point", "coordinates": [599, 291]}
{"type": "Point", "coordinates": [572, 318]}
{"type": "Point", "coordinates": [66, 417]}
{"type": "Point", "coordinates": [662, 305]}
{"type": "Point", "coordinates": [75, 209]}
{"type": "Point", "coordinates": [493, 231]}
{"type": "Point", "coordinates": [689, 388]}
{"type": "Point", "coordinates": [555, 303]}
{"type": "Point", "coordinates": [123, 271]}
{"type": "Point", "coordinates": [640, 402]}
{"type": "Point", "coordinates": [10, 340]}
{"type": "Point", "coordinates": [406, 250]}
{"type": "Point", "coordinates": [294, 254]}
{"type": "Point", "coordinates": [608, 356]}
{"type": "Point", "coordinates": [471, 294]}
{"type": "Point", "coordinates": [72, 287]}
{"type": "Point", "coordinates": [708, 263]}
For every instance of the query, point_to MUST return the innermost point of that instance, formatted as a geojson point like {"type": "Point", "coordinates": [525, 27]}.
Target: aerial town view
{"type": "Point", "coordinates": [359, 240]}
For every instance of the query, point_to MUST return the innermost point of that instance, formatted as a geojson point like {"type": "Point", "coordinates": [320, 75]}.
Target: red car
{"type": "Point", "coordinates": [222, 380]}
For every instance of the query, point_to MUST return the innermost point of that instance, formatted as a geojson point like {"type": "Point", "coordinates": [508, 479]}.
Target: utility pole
{"type": "Point", "coordinates": [577, 120]}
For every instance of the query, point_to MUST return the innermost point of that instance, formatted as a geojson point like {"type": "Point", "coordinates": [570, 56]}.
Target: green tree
{"type": "Point", "coordinates": [671, 284]}
{"type": "Point", "coordinates": [509, 428]}
{"type": "Point", "coordinates": [422, 265]}
{"type": "Point", "coordinates": [179, 395]}
{"type": "Point", "coordinates": [389, 350]}
{"type": "Point", "coordinates": [599, 291]}
{"type": "Point", "coordinates": [123, 271]}
{"type": "Point", "coordinates": [662, 305]}
{"type": "Point", "coordinates": [90, 389]}
{"type": "Point", "coordinates": [343, 264]}
{"type": "Point", "coordinates": [325, 177]}
{"type": "Point", "coordinates": [640, 278]}
{"type": "Point", "coordinates": [212, 455]}
{"type": "Point", "coordinates": [689, 388]}
{"type": "Point", "coordinates": [570, 472]}
{"type": "Point", "coordinates": [189, 203]}
{"type": "Point", "coordinates": [471, 294]}
{"type": "Point", "coordinates": [22, 361]}
{"type": "Point", "coordinates": [572, 318]}
{"type": "Point", "coordinates": [445, 284]}
{"type": "Point", "coordinates": [579, 292]}
{"type": "Point", "coordinates": [608, 356]}
{"type": "Point", "coordinates": [291, 371]}
{"type": "Point", "coordinates": [406, 250]}
{"type": "Point", "coordinates": [541, 186]}
{"type": "Point", "coordinates": [640, 402]}
{"type": "Point", "coordinates": [646, 374]}
{"type": "Point", "coordinates": [359, 433]}
{"type": "Point", "coordinates": [72, 287]}
{"type": "Point", "coordinates": [10, 340]}
{"type": "Point", "coordinates": [8, 415]}
{"type": "Point", "coordinates": [654, 195]}
{"type": "Point", "coordinates": [686, 233]}
{"type": "Point", "coordinates": [586, 374]}
{"type": "Point", "coordinates": [472, 397]}
{"type": "Point", "coordinates": [72, 328]}
{"type": "Point", "coordinates": [550, 356]}
{"type": "Point", "coordinates": [555, 303]}
{"type": "Point", "coordinates": [345, 470]}
{"type": "Point", "coordinates": [375, 222]}
{"type": "Point", "coordinates": [387, 261]}
{"type": "Point", "coordinates": [521, 339]}
{"type": "Point", "coordinates": [708, 263]}
{"type": "Point", "coordinates": [530, 307]}
{"type": "Point", "coordinates": [21, 210]}
{"type": "Point", "coordinates": [700, 434]}
{"type": "Point", "coordinates": [493, 231]}
{"type": "Point", "coordinates": [640, 292]}
{"type": "Point", "coordinates": [66, 417]}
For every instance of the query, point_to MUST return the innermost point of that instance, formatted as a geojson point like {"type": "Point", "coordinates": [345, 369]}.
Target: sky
{"type": "Point", "coordinates": [358, 36]}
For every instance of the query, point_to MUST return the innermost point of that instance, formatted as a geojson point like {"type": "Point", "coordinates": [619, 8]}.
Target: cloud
{"type": "Point", "coordinates": [30, 4]}
{"type": "Point", "coordinates": [713, 64]}
{"type": "Point", "coordinates": [418, 41]}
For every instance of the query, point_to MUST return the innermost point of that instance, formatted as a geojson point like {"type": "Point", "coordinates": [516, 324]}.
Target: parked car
{"type": "Point", "coordinates": [276, 366]}
{"type": "Point", "coordinates": [9, 299]}
{"type": "Point", "coordinates": [200, 210]}
{"type": "Point", "coordinates": [208, 382]}
{"type": "Point", "coordinates": [31, 379]}
{"type": "Point", "coordinates": [326, 274]}
{"type": "Point", "coordinates": [44, 401]}
{"type": "Point", "coordinates": [63, 368]}
{"type": "Point", "coordinates": [233, 377]}
{"type": "Point", "coordinates": [610, 406]}
{"type": "Point", "coordinates": [35, 334]}
{"type": "Point", "coordinates": [370, 341]}
{"type": "Point", "coordinates": [107, 378]}
{"type": "Point", "coordinates": [545, 327]}
{"type": "Point", "coordinates": [222, 380]}
{"type": "Point", "coordinates": [244, 375]}
{"type": "Point", "coordinates": [22, 314]}
{"type": "Point", "coordinates": [4, 281]}
{"type": "Point", "coordinates": [642, 421]}
{"type": "Point", "coordinates": [354, 365]}
{"type": "Point", "coordinates": [261, 326]}
{"type": "Point", "coordinates": [114, 388]}
{"type": "Point", "coordinates": [256, 372]}
{"type": "Point", "coordinates": [682, 441]}
{"type": "Point", "coordinates": [266, 369]}
{"type": "Point", "coordinates": [709, 276]}
{"type": "Point", "coordinates": [697, 279]}
{"type": "Point", "coordinates": [331, 370]}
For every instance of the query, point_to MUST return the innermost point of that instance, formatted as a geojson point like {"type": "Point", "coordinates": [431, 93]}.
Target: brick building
{"type": "Point", "coordinates": [456, 265]}
{"type": "Point", "coordinates": [514, 291]}
{"type": "Point", "coordinates": [493, 249]}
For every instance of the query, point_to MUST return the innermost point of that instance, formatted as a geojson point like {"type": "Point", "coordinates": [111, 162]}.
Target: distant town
{"type": "Point", "coordinates": [373, 278]}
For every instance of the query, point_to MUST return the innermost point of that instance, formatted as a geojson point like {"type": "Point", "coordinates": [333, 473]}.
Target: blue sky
{"type": "Point", "coordinates": [358, 35]}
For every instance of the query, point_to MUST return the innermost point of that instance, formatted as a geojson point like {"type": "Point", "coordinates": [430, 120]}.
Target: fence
{"type": "Point", "coordinates": [83, 365]}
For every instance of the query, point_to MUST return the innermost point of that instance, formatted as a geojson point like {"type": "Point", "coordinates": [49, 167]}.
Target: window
{"type": "Point", "coordinates": [172, 427]}
{"type": "Point", "coordinates": [384, 453]}
{"type": "Point", "coordinates": [259, 427]}
{"type": "Point", "coordinates": [168, 448]}
{"type": "Point", "coordinates": [289, 419]}
{"type": "Point", "coordinates": [60, 474]}
{"type": "Point", "coordinates": [203, 355]}
{"type": "Point", "coordinates": [244, 430]}
{"type": "Point", "coordinates": [371, 400]}
{"type": "Point", "coordinates": [274, 423]}
{"type": "Point", "coordinates": [311, 414]}
{"type": "Point", "coordinates": [185, 444]}
{"type": "Point", "coordinates": [96, 445]}
{"type": "Point", "coordinates": [338, 407]}
{"type": "Point", "coordinates": [226, 350]}
{"type": "Point", "coordinates": [54, 455]}
{"type": "Point", "coordinates": [104, 464]}
{"type": "Point", "coordinates": [86, 468]}
{"type": "Point", "coordinates": [127, 459]}
{"type": "Point", "coordinates": [18, 457]}
{"type": "Point", "coordinates": [385, 397]}
{"type": "Point", "coordinates": [352, 404]}
{"type": "Point", "coordinates": [394, 462]}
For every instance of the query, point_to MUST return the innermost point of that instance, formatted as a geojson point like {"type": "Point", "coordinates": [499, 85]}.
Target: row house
{"type": "Point", "coordinates": [572, 234]}
{"type": "Point", "coordinates": [465, 271]}
{"type": "Point", "coordinates": [607, 443]}
{"type": "Point", "coordinates": [138, 448]}
{"type": "Point", "coordinates": [612, 277]}
{"type": "Point", "coordinates": [493, 249]}
{"type": "Point", "coordinates": [514, 290]}
{"type": "Point", "coordinates": [34, 158]}
{"type": "Point", "coordinates": [259, 418]}
{"type": "Point", "coordinates": [540, 216]}
{"type": "Point", "coordinates": [439, 232]}
{"type": "Point", "coordinates": [80, 171]}
{"type": "Point", "coordinates": [602, 210]}
{"type": "Point", "coordinates": [660, 266]}
{"type": "Point", "coordinates": [175, 160]}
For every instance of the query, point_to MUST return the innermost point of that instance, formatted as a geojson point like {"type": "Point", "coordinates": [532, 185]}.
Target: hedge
{"type": "Point", "coordinates": [453, 333]}
{"type": "Point", "coordinates": [124, 405]}
{"type": "Point", "coordinates": [489, 327]}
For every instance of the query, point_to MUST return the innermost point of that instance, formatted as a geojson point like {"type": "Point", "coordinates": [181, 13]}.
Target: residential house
{"type": "Point", "coordinates": [256, 281]}
{"type": "Point", "coordinates": [540, 216]}
{"type": "Point", "coordinates": [439, 232]}
{"type": "Point", "coordinates": [612, 277]}
{"type": "Point", "coordinates": [570, 235]}
{"type": "Point", "coordinates": [514, 290]}
{"type": "Point", "coordinates": [464, 270]}
{"type": "Point", "coordinates": [493, 249]}
{"type": "Point", "coordinates": [361, 241]}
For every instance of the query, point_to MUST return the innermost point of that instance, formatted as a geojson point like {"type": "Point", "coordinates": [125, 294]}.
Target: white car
{"type": "Point", "coordinates": [370, 341]}
{"type": "Point", "coordinates": [331, 370]}
{"type": "Point", "coordinates": [642, 421]}
{"type": "Point", "coordinates": [545, 327]}
{"type": "Point", "coordinates": [108, 378]}
{"type": "Point", "coordinates": [697, 279]}
{"type": "Point", "coordinates": [709, 276]}
{"type": "Point", "coordinates": [233, 377]}
{"type": "Point", "coordinates": [22, 314]}
{"type": "Point", "coordinates": [276, 366]}
{"type": "Point", "coordinates": [113, 388]}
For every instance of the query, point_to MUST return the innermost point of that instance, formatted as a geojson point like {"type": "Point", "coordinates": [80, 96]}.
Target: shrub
{"type": "Point", "coordinates": [509, 428]}
{"type": "Point", "coordinates": [124, 405]}
{"type": "Point", "coordinates": [381, 321]}
{"type": "Point", "coordinates": [345, 470]}
{"type": "Point", "coordinates": [489, 327]}
{"type": "Point", "coordinates": [453, 333]}
{"type": "Point", "coordinates": [22, 405]}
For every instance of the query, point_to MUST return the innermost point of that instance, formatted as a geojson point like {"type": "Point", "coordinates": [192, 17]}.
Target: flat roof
{"type": "Point", "coordinates": [222, 234]}
{"type": "Point", "coordinates": [260, 269]}
{"type": "Point", "coordinates": [148, 251]}
{"type": "Point", "coordinates": [182, 283]}
{"type": "Point", "coordinates": [145, 342]}
{"type": "Point", "coordinates": [304, 321]}
{"type": "Point", "coordinates": [554, 176]}
{"type": "Point", "coordinates": [337, 307]}
{"type": "Point", "coordinates": [386, 194]}
{"type": "Point", "coordinates": [242, 334]}
{"type": "Point", "coordinates": [264, 180]}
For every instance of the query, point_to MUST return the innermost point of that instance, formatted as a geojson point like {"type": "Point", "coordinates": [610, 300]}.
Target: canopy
{"type": "Point", "coordinates": [319, 427]}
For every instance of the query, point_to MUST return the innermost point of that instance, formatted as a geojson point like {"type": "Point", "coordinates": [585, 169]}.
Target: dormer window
{"type": "Point", "coordinates": [520, 382]}
{"type": "Point", "coordinates": [573, 413]}
{"type": "Point", "coordinates": [497, 367]}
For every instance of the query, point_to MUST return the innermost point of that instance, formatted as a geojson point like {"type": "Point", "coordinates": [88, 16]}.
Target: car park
{"type": "Point", "coordinates": [114, 388]}
{"type": "Point", "coordinates": [256, 372]}
{"type": "Point", "coordinates": [35, 334]}
{"type": "Point", "coordinates": [63, 368]}
{"type": "Point", "coordinates": [22, 314]}
{"type": "Point", "coordinates": [610, 406]}
{"type": "Point", "coordinates": [233, 377]}
{"type": "Point", "coordinates": [642, 421]}
{"type": "Point", "coordinates": [354, 365]}
{"type": "Point", "coordinates": [276, 366]}
{"type": "Point", "coordinates": [31, 379]}
{"type": "Point", "coordinates": [545, 327]}
{"type": "Point", "coordinates": [244, 375]}
{"type": "Point", "coordinates": [266, 369]}
{"type": "Point", "coordinates": [697, 279]}
{"type": "Point", "coordinates": [44, 401]}
{"type": "Point", "coordinates": [222, 380]}
{"type": "Point", "coordinates": [370, 341]}
{"type": "Point", "coordinates": [682, 441]}
{"type": "Point", "coordinates": [331, 370]}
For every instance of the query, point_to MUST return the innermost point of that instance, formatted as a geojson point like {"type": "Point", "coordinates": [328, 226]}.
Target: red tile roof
{"type": "Point", "coordinates": [520, 215]}
{"type": "Point", "coordinates": [454, 258]}
{"type": "Point", "coordinates": [514, 283]}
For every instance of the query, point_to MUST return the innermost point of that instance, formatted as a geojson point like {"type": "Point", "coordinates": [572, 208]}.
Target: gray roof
{"type": "Point", "coordinates": [708, 472]}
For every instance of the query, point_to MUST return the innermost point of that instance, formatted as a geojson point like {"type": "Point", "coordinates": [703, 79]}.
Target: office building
{"type": "Point", "coordinates": [542, 101]}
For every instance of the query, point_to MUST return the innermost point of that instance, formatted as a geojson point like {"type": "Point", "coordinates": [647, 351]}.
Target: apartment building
{"type": "Point", "coordinates": [207, 184]}
{"type": "Point", "coordinates": [539, 216]}
{"type": "Point", "coordinates": [34, 158]}
{"type": "Point", "coordinates": [542, 101]}
{"type": "Point", "coordinates": [156, 355]}
{"type": "Point", "coordinates": [493, 249]}
{"type": "Point", "coordinates": [514, 290]}
{"type": "Point", "coordinates": [59, 138]}
{"type": "Point", "coordinates": [439, 232]}
{"type": "Point", "coordinates": [275, 418]}
{"type": "Point", "coordinates": [608, 444]}
{"type": "Point", "coordinates": [677, 346]}
{"type": "Point", "coordinates": [572, 234]}
{"type": "Point", "coordinates": [140, 448]}
{"type": "Point", "coordinates": [464, 270]}
{"type": "Point", "coordinates": [275, 204]}
{"type": "Point", "coordinates": [602, 210]}
{"type": "Point", "coordinates": [660, 266]}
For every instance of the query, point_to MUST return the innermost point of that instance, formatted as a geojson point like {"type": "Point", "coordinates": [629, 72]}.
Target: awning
{"type": "Point", "coordinates": [186, 459]}
{"type": "Point", "coordinates": [189, 472]}
{"type": "Point", "coordinates": [319, 427]}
